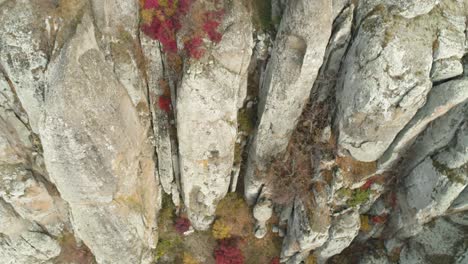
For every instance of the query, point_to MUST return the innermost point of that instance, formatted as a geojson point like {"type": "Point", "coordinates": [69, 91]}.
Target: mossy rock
{"type": "Point", "coordinates": [454, 175]}
{"type": "Point", "coordinates": [262, 15]}
{"type": "Point", "coordinates": [358, 197]}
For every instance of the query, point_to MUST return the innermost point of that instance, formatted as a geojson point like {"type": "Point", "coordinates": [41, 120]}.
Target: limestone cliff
{"type": "Point", "coordinates": [216, 131]}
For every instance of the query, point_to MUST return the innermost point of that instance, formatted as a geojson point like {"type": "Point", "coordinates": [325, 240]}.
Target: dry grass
{"type": "Point", "coordinates": [292, 175]}
{"type": "Point", "coordinates": [259, 251]}
{"type": "Point", "coordinates": [236, 215]}
{"type": "Point", "coordinates": [354, 170]}
{"type": "Point", "coordinates": [73, 252]}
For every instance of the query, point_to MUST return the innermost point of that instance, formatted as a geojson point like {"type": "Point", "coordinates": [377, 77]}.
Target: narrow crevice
{"type": "Point", "coordinates": [17, 102]}
{"type": "Point", "coordinates": [247, 121]}
{"type": "Point", "coordinates": [174, 81]}
{"type": "Point", "coordinates": [10, 206]}
{"type": "Point", "coordinates": [32, 246]}
{"type": "Point", "coordinates": [434, 84]}
{"type": "Point", "coordinates": [34, 139]}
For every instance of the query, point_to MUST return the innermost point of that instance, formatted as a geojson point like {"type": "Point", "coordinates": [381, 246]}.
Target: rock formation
{"type": "Point", "coordinates": [342, 123]}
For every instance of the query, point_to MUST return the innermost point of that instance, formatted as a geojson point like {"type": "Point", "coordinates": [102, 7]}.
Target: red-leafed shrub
{"type": "Point", "coordinates": [193, 47]}
{"type": "Point", "coordinates": [393, 200]}
{"type": "Point", "coordinates": [275, 260]}
{"type": "Point", "coordinates": [163, 20]}
{"type": "Point", "coordinates": [151, 4]}
{"type": "Point", "coordinates": [367, 185]}
{"type": "Point", "coordinates": [379, 219]}
{"type": "Point", "coordinates": [211, 24]}
{"type": "Point", "coordinates": [164, 103]}
{"type": "Point", "coordinates": [182, 225]}
{"type": "Point", "coordinates": [227, 252]}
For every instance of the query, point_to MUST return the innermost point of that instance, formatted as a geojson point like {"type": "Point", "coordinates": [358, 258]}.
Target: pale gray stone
{"type": "Point", "coordinates": [384, 81]}
{"type": "Point", "coordinates": [441, 99]}
{"type": "Point", "coordinates": [431, 187]}
{"type": "Point", "coordinates": [97, 152]}
{"type": "Point", "coordinates": [165, 145]}
{"type": "Point", "coordinates": [207, 104]}
{"type": "Point", "coordinates": [344, 228]}
{"type": "Point", "coordinates": [307, 230]}
{"type": "Point", "coordinates": [291, 71]}
{"type": "Point", "coordinates": [441, 240]}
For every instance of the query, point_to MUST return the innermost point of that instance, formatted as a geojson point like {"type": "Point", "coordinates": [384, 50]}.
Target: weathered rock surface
{"type": "Point", "coordinates": [384, 81]}
{"type": "Point", "coordinates": [307, 230]}
{"type": "Point", "coordinates": [166, 147]}
{"type": "Point", "coordinates": [262, 212]}
{"type": "Point", "coordinates": [344, 228]}
{"type": "Point", "coordinates": [208, 100]}
{"type": "Point", "coordinates": [94, 140]}
{"type": "Point", "coordinates": [291, 71]}
{"type": "Point", "coordinates": [441, 99]}
{"type": "Point", "coordinates": [378, 89]}
{"type": "Point", "coordinates": [97, 152]}
{"type": "Point", "coordinates": [442, 240]}
{"type": "Point", "coordinates": [432, 186]}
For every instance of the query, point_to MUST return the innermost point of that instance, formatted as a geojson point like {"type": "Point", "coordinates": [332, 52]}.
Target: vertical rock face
{"type": "Point", "coordinates": [432, 186]}
{"type": "Point", "coordinates": [441, 241]}
{"type": "Point", "coordinates": [72, 100]}
{"type": "Point", "coordinates": [166, 148]}
{"type": "Point", "coordinates": [291, 71]}
{"type": "Point", "coordinates": [97, 152]}
{"type": "Point", "coordinates": [344, 229]}
{"type": "Point", "coordinates": [386, 75]}
{"type": "Point", "coordinates": [372, 94]}
{"type": "Point", "coordinates": [385, 79]}
{"type": "Point", "coordinates": [209, 97]}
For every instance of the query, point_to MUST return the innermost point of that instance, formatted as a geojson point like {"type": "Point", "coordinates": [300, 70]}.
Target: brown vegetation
{"type": "Point", "coordinates": [354, 170]}
{"type": "Point", "coordinates": [73, 252]}
{"type": "Point", "coordinates": [235, 215]}
{"type": "Point", "coordinates": [292, 175]}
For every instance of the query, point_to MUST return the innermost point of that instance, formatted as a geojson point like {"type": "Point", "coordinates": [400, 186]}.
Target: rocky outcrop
{"type": "Point", "coordinates": [291, 71]}
{"type": "Point", "coordinates": [80, 111]}
{"type": "Point", "coordinates": [400, 81]}
{"type": "Point", "coordinates": [97, 152]}
{"type": "Point", "coordinates": [360, 104]}
{"type": "Point", "coordinates": [307, 230]}
{"type": "Point", "coordinates": [440, 241]}
{"type": "Point", "coordinates": [432, 186]}
{"type": "Point", "coordinates": [441, 99]}
{"type": "Point", "coordinates": [210, 95]}
{"type": "Point", "coordinates": [343, 230]}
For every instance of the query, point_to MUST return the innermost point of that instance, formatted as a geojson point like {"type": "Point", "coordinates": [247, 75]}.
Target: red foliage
{"type": "Point", "coordinates": [166, 23]}
{"type": "Point", "coordinates": [367, 185]}
{"type": "Point", "coordinates": [182, 225]}
{"type": "Point", "coordinates": [151, 4]}
{"type": "Point", "coordinates": [211, 24]}
{"type": "Point", "coordinates": [193, 47]}
{"type": "Point", "coordinates": [164, 103]}
{"type": "Point", "coordinates": [275, 260]}
{"type": "Point", "coordinates": [393, 200]}
{"type": "Point", "coordinates": [227, 252]}
{"type": "Point", "coordinates": [379, 219]}
{"type": "Point", "coordinates": [184, 6]}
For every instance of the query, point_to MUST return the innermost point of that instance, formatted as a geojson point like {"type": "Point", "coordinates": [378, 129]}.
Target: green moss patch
{"type": "Point", "coordinates": [454, 175]}
{"type": "Point", "coordinates": [262, 18]}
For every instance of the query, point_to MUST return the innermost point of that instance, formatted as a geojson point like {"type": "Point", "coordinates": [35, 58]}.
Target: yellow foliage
{"type": "Point", "coordinates": [235, 214]}
{"type": "Point", "coordinates": [189, 259]}
{"type": "Point", "coordinates": [311, 259]}
{"type": "Point", "coordinates": [355, 170]}
{"type": "Point", "coordinates": [147, 16]}
{"type": "Point", "coordinates": [365, 223]}
{"type": "Point", "coordinates": [221, 230]}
